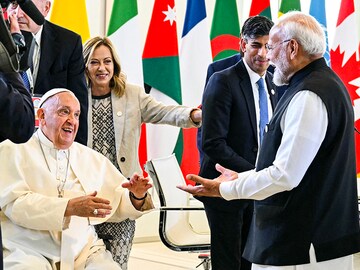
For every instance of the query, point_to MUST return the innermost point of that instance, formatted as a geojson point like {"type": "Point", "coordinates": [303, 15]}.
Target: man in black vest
{"type": "Point", "coordinates": [304, 184]}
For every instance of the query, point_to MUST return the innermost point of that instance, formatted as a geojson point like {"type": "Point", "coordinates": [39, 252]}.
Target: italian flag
{"type": "Point", "coordinates": [345, 60]}
{"type": "Point", "coordinates": [124, 32]}
{"type": "Point", "coordinates": [74, 18]}
{"type": "Point", "coordinates": [288, 5]}
{"type": "Point", "coordinates": [260, 7]}
{"type": "Point", "coordinates": [162, 73]}
{"type": "Point", "coordinates": [225, 29]}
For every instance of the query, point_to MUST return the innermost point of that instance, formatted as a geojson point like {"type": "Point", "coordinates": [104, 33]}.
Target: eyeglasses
{"type": "Point", "coordinates": [271, 47]}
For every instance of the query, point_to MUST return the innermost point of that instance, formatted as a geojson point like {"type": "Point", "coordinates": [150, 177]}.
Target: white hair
{"type": "Point", "coordinates": [305, 29]}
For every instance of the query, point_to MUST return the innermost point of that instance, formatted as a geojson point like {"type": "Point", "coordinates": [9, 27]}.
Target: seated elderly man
{"type": "Point", "coordinates": [53, 190]}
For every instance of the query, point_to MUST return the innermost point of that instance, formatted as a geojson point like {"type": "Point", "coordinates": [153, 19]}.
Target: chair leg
{"type": "Point", "coordinates": [206, 261]}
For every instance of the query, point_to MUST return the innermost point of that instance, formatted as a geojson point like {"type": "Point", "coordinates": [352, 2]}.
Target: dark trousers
{"type": "Point", "coordinates": [229, 231]}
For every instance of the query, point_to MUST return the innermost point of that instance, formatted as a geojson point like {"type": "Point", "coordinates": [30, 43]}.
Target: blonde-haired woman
{"type": "Point", "coordinates": [116, 111]}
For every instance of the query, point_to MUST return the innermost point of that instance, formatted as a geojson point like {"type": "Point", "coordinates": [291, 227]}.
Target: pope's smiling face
{"type": "Point", "coordinates": [59, 119]}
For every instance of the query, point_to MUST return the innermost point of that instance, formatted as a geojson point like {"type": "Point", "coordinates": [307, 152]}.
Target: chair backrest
{"type": "Point", "coordinates": [166, 175]}
{"type": "Point", "coordinates": [174, 228]}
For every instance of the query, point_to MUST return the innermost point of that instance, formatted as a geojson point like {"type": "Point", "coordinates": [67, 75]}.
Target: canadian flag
{"type": "Point", "coordinates": [345, 61]}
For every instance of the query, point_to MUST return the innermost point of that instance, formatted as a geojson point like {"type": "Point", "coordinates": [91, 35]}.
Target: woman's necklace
{"type": "Point", "coordinates": [62, 180]}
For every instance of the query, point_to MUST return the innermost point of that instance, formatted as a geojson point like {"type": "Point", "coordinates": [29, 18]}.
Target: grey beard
{"type": "Point", "coordinates": [279, 78]}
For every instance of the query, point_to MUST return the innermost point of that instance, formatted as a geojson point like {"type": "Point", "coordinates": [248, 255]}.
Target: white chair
{"type": "Point", "coordinates": [175, 229]}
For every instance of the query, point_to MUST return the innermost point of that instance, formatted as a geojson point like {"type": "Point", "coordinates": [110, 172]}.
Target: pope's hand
{"type": "Point", "coordinates": [138, 185]}
{"type": "Point", "coordinates": [88, 206]}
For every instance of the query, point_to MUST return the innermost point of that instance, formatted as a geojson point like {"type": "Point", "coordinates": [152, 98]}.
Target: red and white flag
{"type": "Point", "coordinates": [345, 60]}
{"type": "Point", "coordinates": [162, 73]}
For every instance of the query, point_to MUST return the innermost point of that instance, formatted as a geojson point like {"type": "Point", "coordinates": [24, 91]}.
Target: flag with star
{"type": "Point", "coordinates": [162, 73]}
{"type": "Point", "coordinates": [195, 56]}
{"type": "Point", "coordinates": [225, 29]}
{"type": "Point", "coordinates": [345, 60]}
{"type": "Point", "coordinates": [289, 5]}
{"type": "Point", "coordinates": [75, 19]}
{"type": "Point", "coordinates": [260, 7]}
{"type": "Point", "coordinates": [317, 9]}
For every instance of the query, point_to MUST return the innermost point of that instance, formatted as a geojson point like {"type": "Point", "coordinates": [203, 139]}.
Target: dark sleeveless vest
{"type": "Point", "coordinates": [323, 208]}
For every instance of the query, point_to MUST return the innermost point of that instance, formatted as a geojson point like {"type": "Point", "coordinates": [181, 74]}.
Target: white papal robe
{"type": "Point", "coordinates": [33, 214]}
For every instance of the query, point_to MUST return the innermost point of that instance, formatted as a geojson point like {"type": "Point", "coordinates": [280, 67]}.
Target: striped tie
{"type": "Point", "coordinates": [26, 81]}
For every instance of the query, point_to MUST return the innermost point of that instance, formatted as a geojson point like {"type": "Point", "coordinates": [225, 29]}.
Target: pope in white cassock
{"type": "Point", "coordinates": [53, 190]}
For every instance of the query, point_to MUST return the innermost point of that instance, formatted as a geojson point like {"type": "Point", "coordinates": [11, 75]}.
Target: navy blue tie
{"type": "Point", "coordinates": [26, 81]}
{"type": "Point", "coordinates": [263, 105]}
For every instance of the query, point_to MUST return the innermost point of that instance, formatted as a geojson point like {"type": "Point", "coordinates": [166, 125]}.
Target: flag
{"type": "Point", "coordinates": [317, 9]}
{"type": "Point", "coordinates": [288, 5]}
{"type": "Point", "coordinates": [162, 72]}
{"type": "Point", "coordinates": [345, 60]}
{"type": "Point", "coordinates": [64, 13]}
{"type": "Point", "coordinates": [195, 56]}
{"type": "Point", "coordinates": [260, 7]}
{"type": "Point", "coordinates": [124, 32]}
{"type": "Point", "coordinates": [225, 29]}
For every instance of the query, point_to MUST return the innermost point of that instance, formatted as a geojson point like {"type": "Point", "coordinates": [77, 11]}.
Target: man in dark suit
{"type": "Point", "coordinates": [58, 60]}
{"type": "Point", "coordinates": [212, 68]}
{"type": "Point", "coordinates": [221, 65]}
{"type": "Point", "coordinates": [230, 135]}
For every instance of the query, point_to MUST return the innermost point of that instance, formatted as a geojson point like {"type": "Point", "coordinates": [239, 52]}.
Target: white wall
{"type": "Point", "coordinates": [99, 12]}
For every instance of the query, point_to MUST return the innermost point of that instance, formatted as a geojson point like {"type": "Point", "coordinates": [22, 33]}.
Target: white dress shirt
{"type": "Point", "coordinates": [254, 77]}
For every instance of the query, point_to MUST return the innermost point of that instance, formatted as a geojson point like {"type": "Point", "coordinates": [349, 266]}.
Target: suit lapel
{"type": "Point", "coordinates": [246, 88]}
{"type": "Point", "coordinates": [49, 49]}
{"type": "Point", "coordinates": [119, 116]}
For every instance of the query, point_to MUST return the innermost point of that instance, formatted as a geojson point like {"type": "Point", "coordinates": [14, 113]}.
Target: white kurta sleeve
{"type": "Point", "coordinates": [304, 126]}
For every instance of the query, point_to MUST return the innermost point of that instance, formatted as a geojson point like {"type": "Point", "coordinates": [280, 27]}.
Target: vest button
{"type": "Point", "coordinates": [122, 159]}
